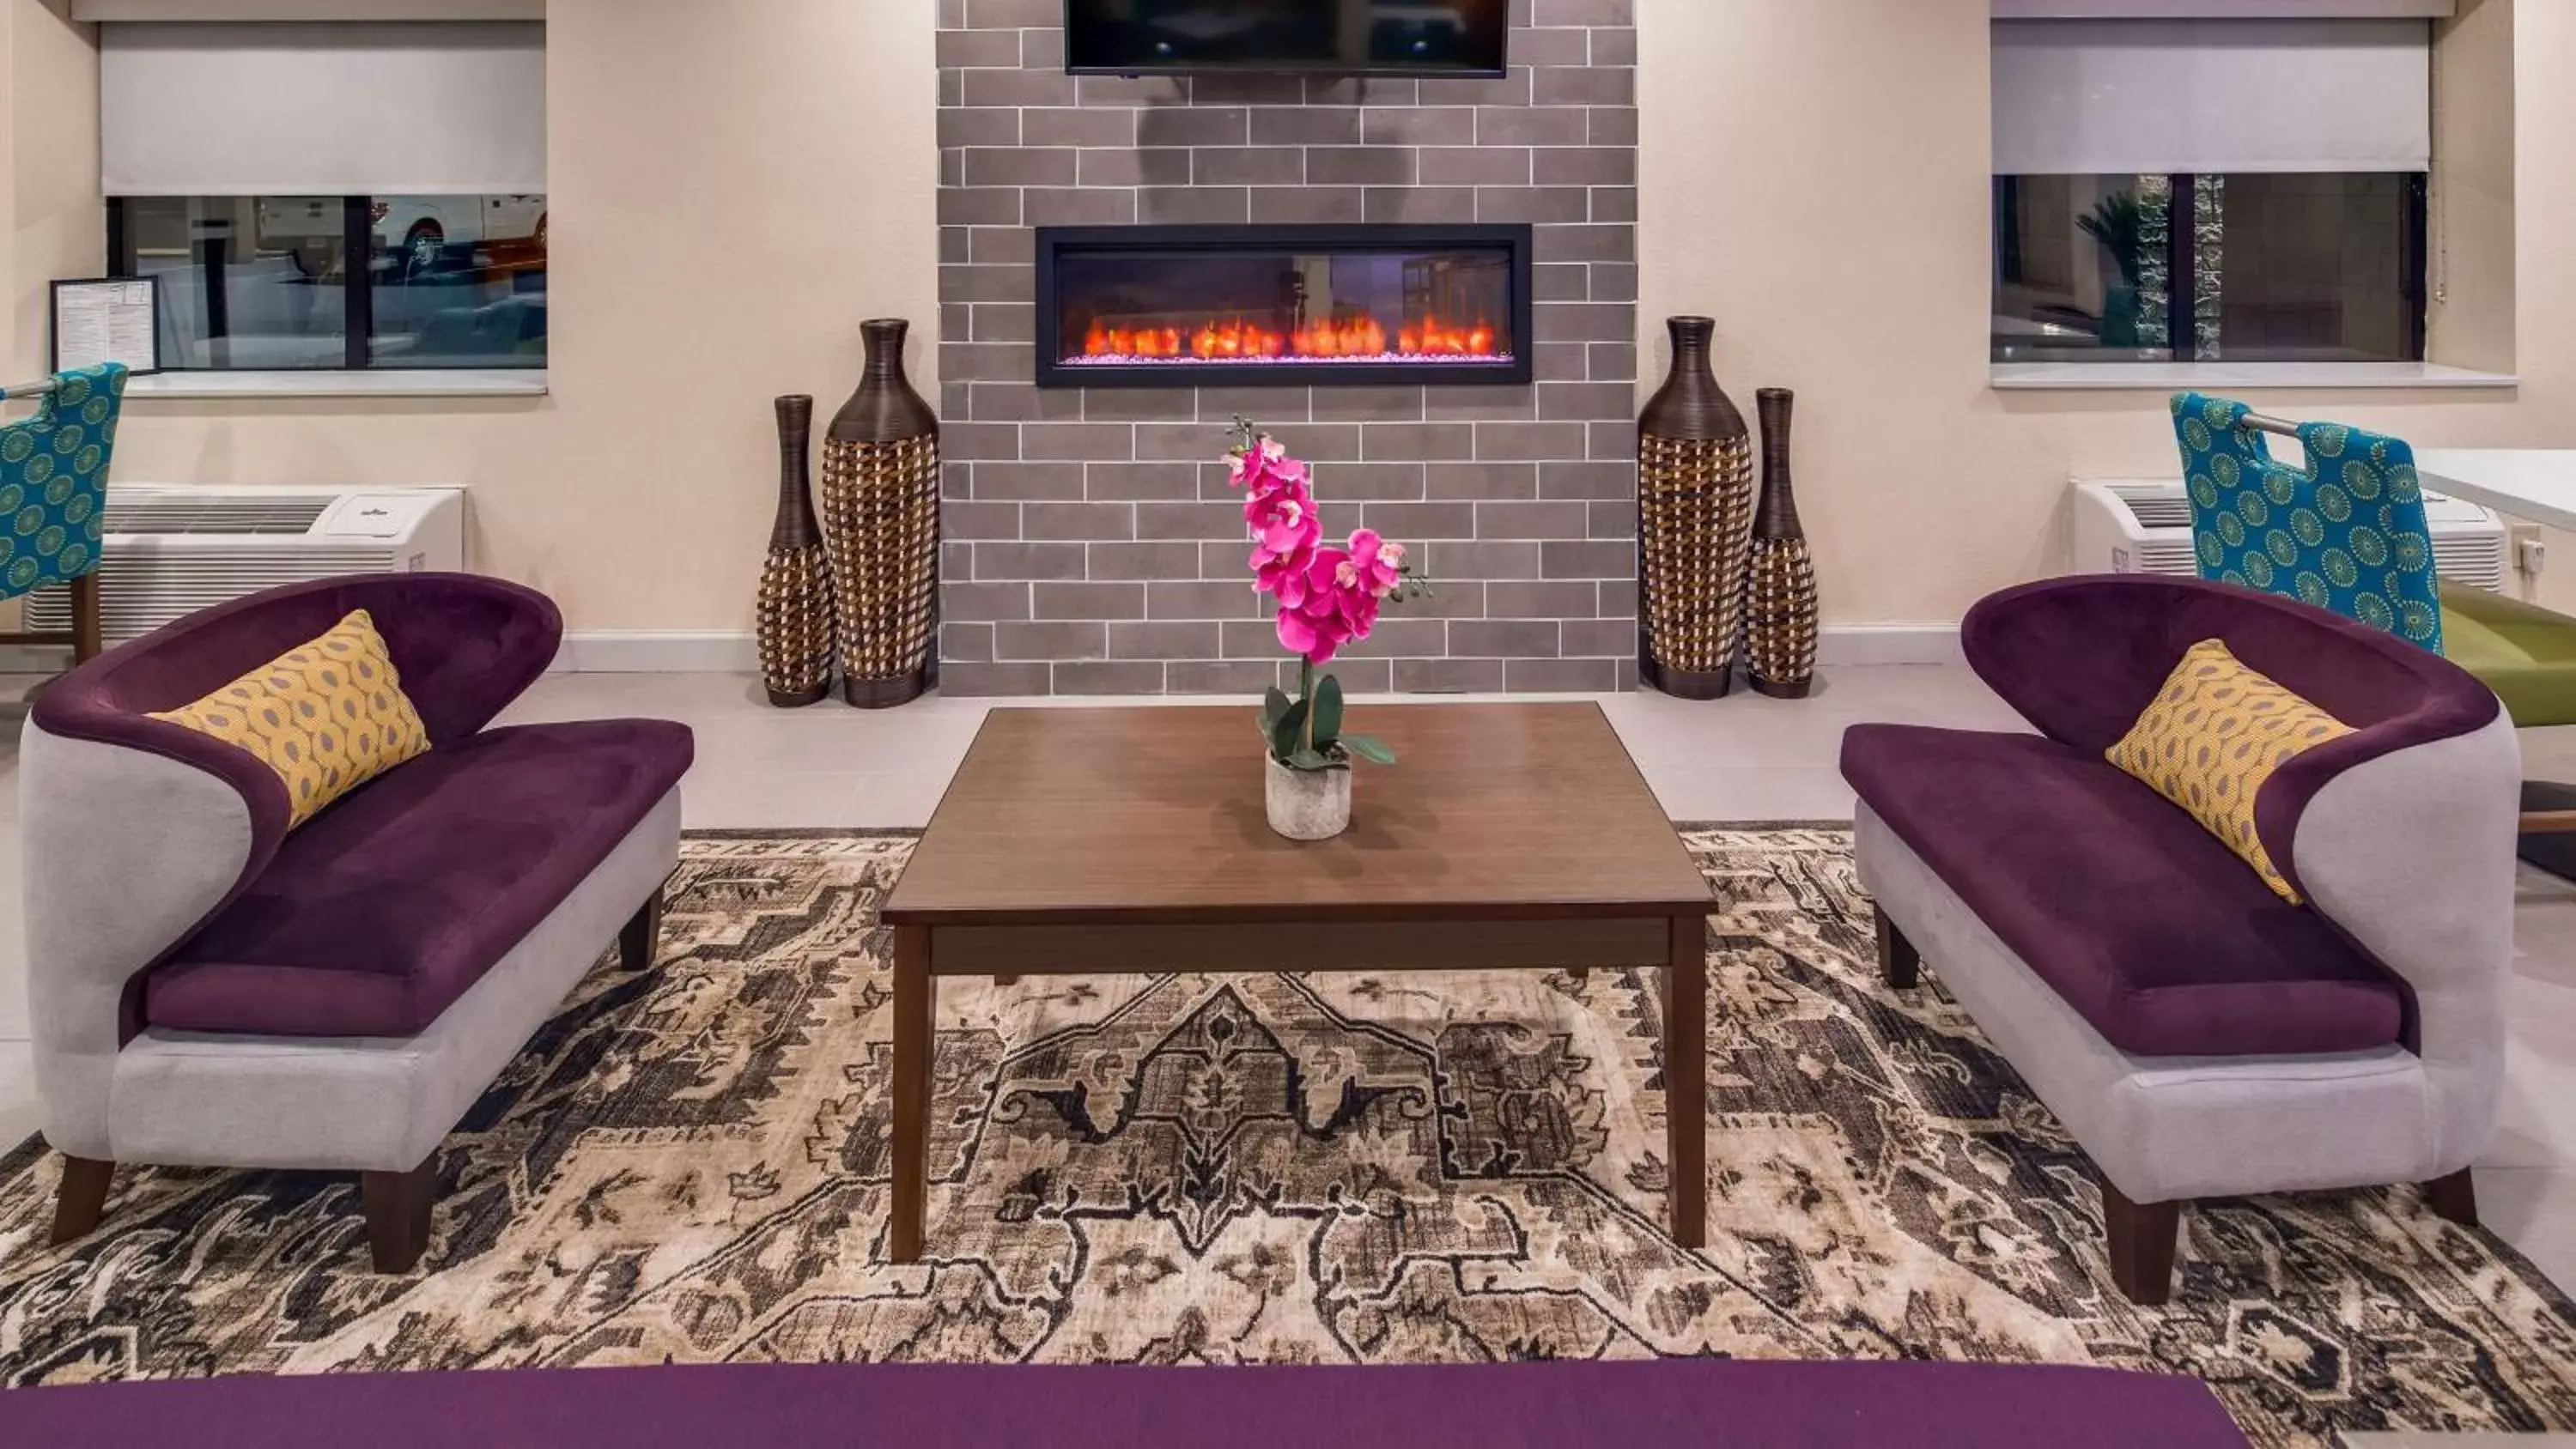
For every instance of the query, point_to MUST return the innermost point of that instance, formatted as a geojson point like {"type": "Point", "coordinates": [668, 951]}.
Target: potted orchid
{"type": "Point", "coordinates": [1327, 597]}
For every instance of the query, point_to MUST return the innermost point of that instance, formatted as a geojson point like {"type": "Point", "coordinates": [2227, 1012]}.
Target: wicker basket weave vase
{"type": "Point", "coordinates": [881, 526]}
{"type": "Point", "coordinates": [795, 616]}
{"type": "Point", "coordinates": [1780, 593]}
{"type": "Point", "coordinates": [1694, 523]}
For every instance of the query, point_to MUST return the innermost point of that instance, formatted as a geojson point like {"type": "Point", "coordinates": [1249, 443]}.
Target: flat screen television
{"type": "Point", "coordinates": [1338, 37]}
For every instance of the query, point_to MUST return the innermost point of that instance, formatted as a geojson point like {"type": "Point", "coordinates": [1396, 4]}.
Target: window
{"type": "Point", "coordinates": [290, 283]}
{"type": "Point", "coordinates": [330, 196]}
{"type": "Point", "coordinates": [2211, 190]}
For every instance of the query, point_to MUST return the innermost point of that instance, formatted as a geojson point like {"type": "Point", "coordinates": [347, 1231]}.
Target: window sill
{"type": "Point", "coordinates": [385, 383]}
{"type": "Point", "coordinates": [2236, 376]}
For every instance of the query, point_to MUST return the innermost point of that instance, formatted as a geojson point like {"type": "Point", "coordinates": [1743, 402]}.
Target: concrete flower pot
{"type": "Point", "coordinates": [1307, 804]}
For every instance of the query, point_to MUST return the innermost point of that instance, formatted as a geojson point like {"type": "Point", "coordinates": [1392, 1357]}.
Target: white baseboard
{"type": "Point", "coordinates": [714, 651]}
{"type": "Point", "coordinates": [1850, 644]}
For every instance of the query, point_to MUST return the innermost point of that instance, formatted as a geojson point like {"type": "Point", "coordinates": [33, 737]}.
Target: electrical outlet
{"type": "Point", "coordinates": [2530, 550]}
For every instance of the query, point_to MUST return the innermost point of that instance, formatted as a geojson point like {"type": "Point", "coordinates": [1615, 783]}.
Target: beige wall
{"type": "Point", "coordinates": [1815, 177]}
{"type": "Point", "coordinates": [732, 189]}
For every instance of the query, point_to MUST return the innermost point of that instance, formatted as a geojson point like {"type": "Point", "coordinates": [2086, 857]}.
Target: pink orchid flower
{"type": "Point", "coordinates": [1375, 565]}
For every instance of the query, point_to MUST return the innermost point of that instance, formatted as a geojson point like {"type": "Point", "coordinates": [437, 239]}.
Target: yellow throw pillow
{"type": "Point", "coordinates": [327, 715]}
{"type": "Point", "coordinates": [2214, 734]}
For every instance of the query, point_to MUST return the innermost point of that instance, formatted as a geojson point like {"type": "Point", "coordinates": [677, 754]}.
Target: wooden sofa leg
{"type": "Point", "coordinates": [83, 1198]}
{"type": "Point", "coordinates": [641, 937]}
{"type": "Point", "coordinates": [398, 1215]}
{"type": "Point", "coordinates": [1897, 957]}
{"type": "Point", "coordinates": [2142, 1240]}
{"type": "Point", "coordinates": [2454, 1198]}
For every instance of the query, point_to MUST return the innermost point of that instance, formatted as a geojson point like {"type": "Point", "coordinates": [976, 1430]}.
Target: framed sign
{"type": "Point", "coordinates": [107, 319]}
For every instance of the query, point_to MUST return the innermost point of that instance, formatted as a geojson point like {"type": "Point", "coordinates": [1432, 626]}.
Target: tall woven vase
{"type": "Point", "coordinates": [1694, 523]}
{"type": "Point", "coordinates": [795, 623]}
{"type": "Point", "coordinates": [1780, 594]}
{"type": "Point", "coordinates": [881, 525]}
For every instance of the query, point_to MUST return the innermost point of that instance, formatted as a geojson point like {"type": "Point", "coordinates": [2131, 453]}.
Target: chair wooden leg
{"type": "Point", "coordinates": [88, 629]}
{"type": "Point", "coordinates": [641, 937]}
{"type": "Point", "coordinates": [398, 1215]}
{"type": "Point", "coordinates": [2142, 1241]}
{"type": "Point", "coordinates": [1897, 958]}
{"type": "Point", "coordinates": [2454, 1198]}
{"type": "Point", "coordinates": [83, 1197]}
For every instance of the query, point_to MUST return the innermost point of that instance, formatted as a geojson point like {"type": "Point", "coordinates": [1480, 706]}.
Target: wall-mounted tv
{"type": "Point", "coordinates": [1339, 37]}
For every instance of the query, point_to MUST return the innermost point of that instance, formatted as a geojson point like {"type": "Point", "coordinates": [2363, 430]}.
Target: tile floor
{"type": "Point", "coordinates": [1743, 759]}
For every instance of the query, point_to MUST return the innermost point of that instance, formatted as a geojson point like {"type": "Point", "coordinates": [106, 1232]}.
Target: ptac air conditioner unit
{"type": "Point", "coordinates": [2143, 526]}
{"type": "Point", "coordinates": [172, 550]}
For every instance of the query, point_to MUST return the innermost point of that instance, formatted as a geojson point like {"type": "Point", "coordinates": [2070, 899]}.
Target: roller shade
{"type": "Point", "coordinates": [322, 109]}
{"type": "Point", "coordinates": [2122, 97]}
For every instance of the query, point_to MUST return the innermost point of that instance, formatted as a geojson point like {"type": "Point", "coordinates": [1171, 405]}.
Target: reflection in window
{"type": "Point", "coordinates": [274, 283]}
{"type": "Point", "coordinates": [2245, 267]}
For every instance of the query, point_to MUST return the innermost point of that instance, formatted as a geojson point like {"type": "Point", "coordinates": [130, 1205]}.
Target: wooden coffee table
{"type": "Point", "coordinates": [1104, 841]}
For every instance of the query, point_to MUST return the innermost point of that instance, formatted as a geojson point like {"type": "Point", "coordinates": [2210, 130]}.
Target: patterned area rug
{"type": "Point", "coordinates": [690, 1166]}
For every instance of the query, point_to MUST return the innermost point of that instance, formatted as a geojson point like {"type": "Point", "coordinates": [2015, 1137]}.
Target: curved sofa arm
{"type": "Point", "coordinates": [138, 830]}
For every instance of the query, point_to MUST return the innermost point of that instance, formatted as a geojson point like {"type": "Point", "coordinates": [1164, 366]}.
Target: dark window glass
{"type": "Point", "coordinates": [2246, 267]}
{"type": "Point", "coordinates": [289, 283]}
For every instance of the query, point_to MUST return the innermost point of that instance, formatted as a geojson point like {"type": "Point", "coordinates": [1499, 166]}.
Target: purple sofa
{"type": "Point", "coordinates": [208, 990]}
{"type": "Point", "coordinates": [2199, 1035]}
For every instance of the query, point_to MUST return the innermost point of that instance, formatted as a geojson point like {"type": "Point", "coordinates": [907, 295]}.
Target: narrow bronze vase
{"type": "Point", "coordinates": [795, 623]}
{"type": "Point", "coordinates": [881, 525]}
{"type": "Point", "coordinates": [1694, 523]}
{"type": "Point", "coordinates": [1780, 607]}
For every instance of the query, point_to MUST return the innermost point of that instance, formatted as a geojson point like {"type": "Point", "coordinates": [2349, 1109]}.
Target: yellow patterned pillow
{"type": "Point", "coordinates": [2214, 734]}
{"type": "Point", "coordinates": [327, 715]}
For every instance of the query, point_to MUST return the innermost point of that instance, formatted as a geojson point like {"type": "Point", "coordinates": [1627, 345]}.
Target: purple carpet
{"type": "Point", "coordinates": [1673, 1402]}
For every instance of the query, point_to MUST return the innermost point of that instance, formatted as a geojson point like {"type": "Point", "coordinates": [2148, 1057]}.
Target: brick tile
{"type": "Point", "coordinates": [983, 603]}
{"type": "Point", "coordinates": [962, 126]}
{"type": "Point", "coordinates": [1220, 676]}
{"type": "Point", "coordinates": [1454, 596]}
{"type": "Point", "coordinates": [1075, 442]}
{"type": "Point", "coordinates": [1112, 677]}
{"type": "Point", "coordinates": [1305, 126]}
{"type": "Point", "coordinates": [1561, 362]}
{"type": "Point", "coordinates": [1359, 165]}
{"type": "Point", "coordinates": [1042, 48]}
{"type": "Point", "coordinates": [1412, 524]}
{"type": "Point", "coordinates": [1614, 125]}
{"type": "Point", "coordinates": [1482, 480]}
{"type": "Point", "coordinates": [1180, 442]}
{"type": "Point", "coordinates": [1211, 599]}
{"type": "Point", "coordinates": [1309, 205]}
{"type": "Point", "coordinates": [1586, 321]}
{"type": "Point", "coordinates": [1566, 85]}
{"type": "Point", "coordinates": [1477, 404]}
{"type": "Point", "coordinates": [956, 480]}
{"type": "Point", "coordinates": [1588, 480]}
{"type": "Point", "coordinates": [1398, 635]}
{"type": "Point", "coordinates": [1514, 559]}
{"type": "Point", "coordinates": [1367, 483]}
{"type": "Point", "coordinates": [1416, 442]}
{"type": "Point", "coordinates": [1419, 126]}
{"type": "Point", "coordinates": [1504, 638]}
{"type": "Point", "coordinates": [1193, 205]}
{"type": "Point", "coordinates": [1612, 45]}
{"type": "Point", "coordinates": [996, 562]}
{"type": "Point", "coordinates": [1474, 165]}
{"type": "Point", "coordinates": [1583, 401]}
{"type": "Point", "coordinates": [1531, 126]}
{"type": "Point", "coordinates": [1561, 282]}
{"type": "Point", "coordinates": [1583, 12]}
{"type": "Point", "coordinates": [1324, 90]}
{"type": "Point", "coordinates": [1560, 676]}
{"type": "Point", "coordinates": [1016, 402]}
{"type": "Point", "coordinates": [1619, 598]}
{"type": "Point", "coordinates": [1173, 559]}
{"type": "Point", "coordinates": [1448, 676]}
{"type": "Point", "coordinates": [1264, 405]}
{"type": "Point", "coordinates": [1506, 90]}
{"type": "Point", "coordinates": [1163, 639]}
{"type": "Point", "coordinates": [1565, 45]}
{"type": "Point", "coordinates": [1076, 126]}
{"type": "Point", "coordinates": [1019, 165]}
{"type": "Point", "coordinates": [1129, 92]}
{"type": "Point", "coordinates": [1533, 203]}
{"type": "Point", "coordinates": [1616, 204]}
{"type": "Point", "coordinates": [1367, 404]}
{"type": "Point", "coordinates": [1611, 361]}
{"type": "Point", "coordinates": [1012, 14]}
{"type": "Point", "coordinates": [1134, 404]}
{"type": "Point", "coordinates": [956, 245]}
{"type": "Point", "coordinates": [1335, 443]}
{"type": "Point", "coordinates": [1251, 639]}
{"type": "Point", "coordinates": [1613, 281]}
{"type": "Point", "coordinates": [1194, 126]}
{"type": "Point", "coordinates": [1135, 166]}
{"type": "Point", "coordinates": [1586, 560]}
{"type": "Point", "coordinates": [966, 643]}
{"type": "Point", "coordinates": [1526, 520]}
{"type": "Point", "coordinates": [1613, 520]}
{"type": "Point", "coordinates": [1017, 88]}
{"type": "Point", "coordinates": [969, 442]}
{"type": "Point", "coordinates": [1358, 676]}
{"type": "Point", "coordinates": [1247, 90]}
{"type": "Point", "coordinates": [1610, 442]}
{"type": "Point", "coordinates": [1188, 521]}
{"type": "Point", "coordinates": [1078, 521]}
{"type": "Point", "coordinates": [972, 283]}
{"type": "Point", "coordinates": [1537, 442]}
{"type": "Point", "coordinates": [974, 521]}
{"type": "Point", "coordinates": [1585, 166]}
{"type": "Point", "coordinates": [1421, 205]}
{"type": "Point", "coordinates": [1050, 639]}
{"type": "Point", "coordinates": [1072, 206]}
{"type": "Point", "coordinates": [1141, 482]}
{"type": "Point", "coordinates": [1543, 599]}
{"type": "Point", "coordinates": [1006, 245]}
{"type": "Point", "coordinates": [1248, 166]}
{"type": "Point", "coordinates": [997, 207]}
{"type": "Point", "coordinates": [961, 679]}
{"type": "Point", "coordinates": [1599, 637]}
{"type": "Point", "coordinates": [1088, 600]}
{"type": "Point", "coordinates": [1613, 242]}
{"type": "Point", "coordinates": [1223, 560]}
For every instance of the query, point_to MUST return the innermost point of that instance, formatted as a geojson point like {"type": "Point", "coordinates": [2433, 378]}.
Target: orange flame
{"type": "Point", "coordinates": [1359, 335]}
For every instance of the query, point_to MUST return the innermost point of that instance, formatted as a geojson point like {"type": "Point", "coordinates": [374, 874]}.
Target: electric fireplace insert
{"type": "Point", "coordinates": [1177, 306]}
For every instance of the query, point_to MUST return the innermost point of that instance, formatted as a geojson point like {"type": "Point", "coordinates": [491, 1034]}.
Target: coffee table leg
{"type": "Point", "coordinates": [912, 1047]}
{"type": "Point", "coordinates": [1686, 1078]}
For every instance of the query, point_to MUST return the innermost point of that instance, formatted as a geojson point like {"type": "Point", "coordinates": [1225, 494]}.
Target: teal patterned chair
{"type": "Point", "coordinates": [53, 499]}
{"type": "Point", "coordinates": [2347, 533]}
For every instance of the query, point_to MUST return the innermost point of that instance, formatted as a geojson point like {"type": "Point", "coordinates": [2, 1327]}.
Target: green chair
{"type": "Point", "coordinates": [53, 498]}
{"type": "Point", "coordinates": [2348, 533]}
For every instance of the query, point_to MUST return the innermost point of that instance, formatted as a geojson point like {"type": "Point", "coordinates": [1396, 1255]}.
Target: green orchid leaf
{"type": "Point", "coordinates": [1287, 737]}
{"type": "Point", "coordinates": [1369, 748]}
{"type": "Point", "coordinates": [1308, 760]}
{"type": "Point", "coordinates": [1328, 712]}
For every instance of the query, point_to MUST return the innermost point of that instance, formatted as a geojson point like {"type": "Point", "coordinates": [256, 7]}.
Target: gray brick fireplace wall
{"type": "Point", "coordinates": [1092, 546]}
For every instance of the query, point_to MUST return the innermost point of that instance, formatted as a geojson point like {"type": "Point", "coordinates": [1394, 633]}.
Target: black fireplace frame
{"type": "Point", "coordinates": [1053, 241]}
